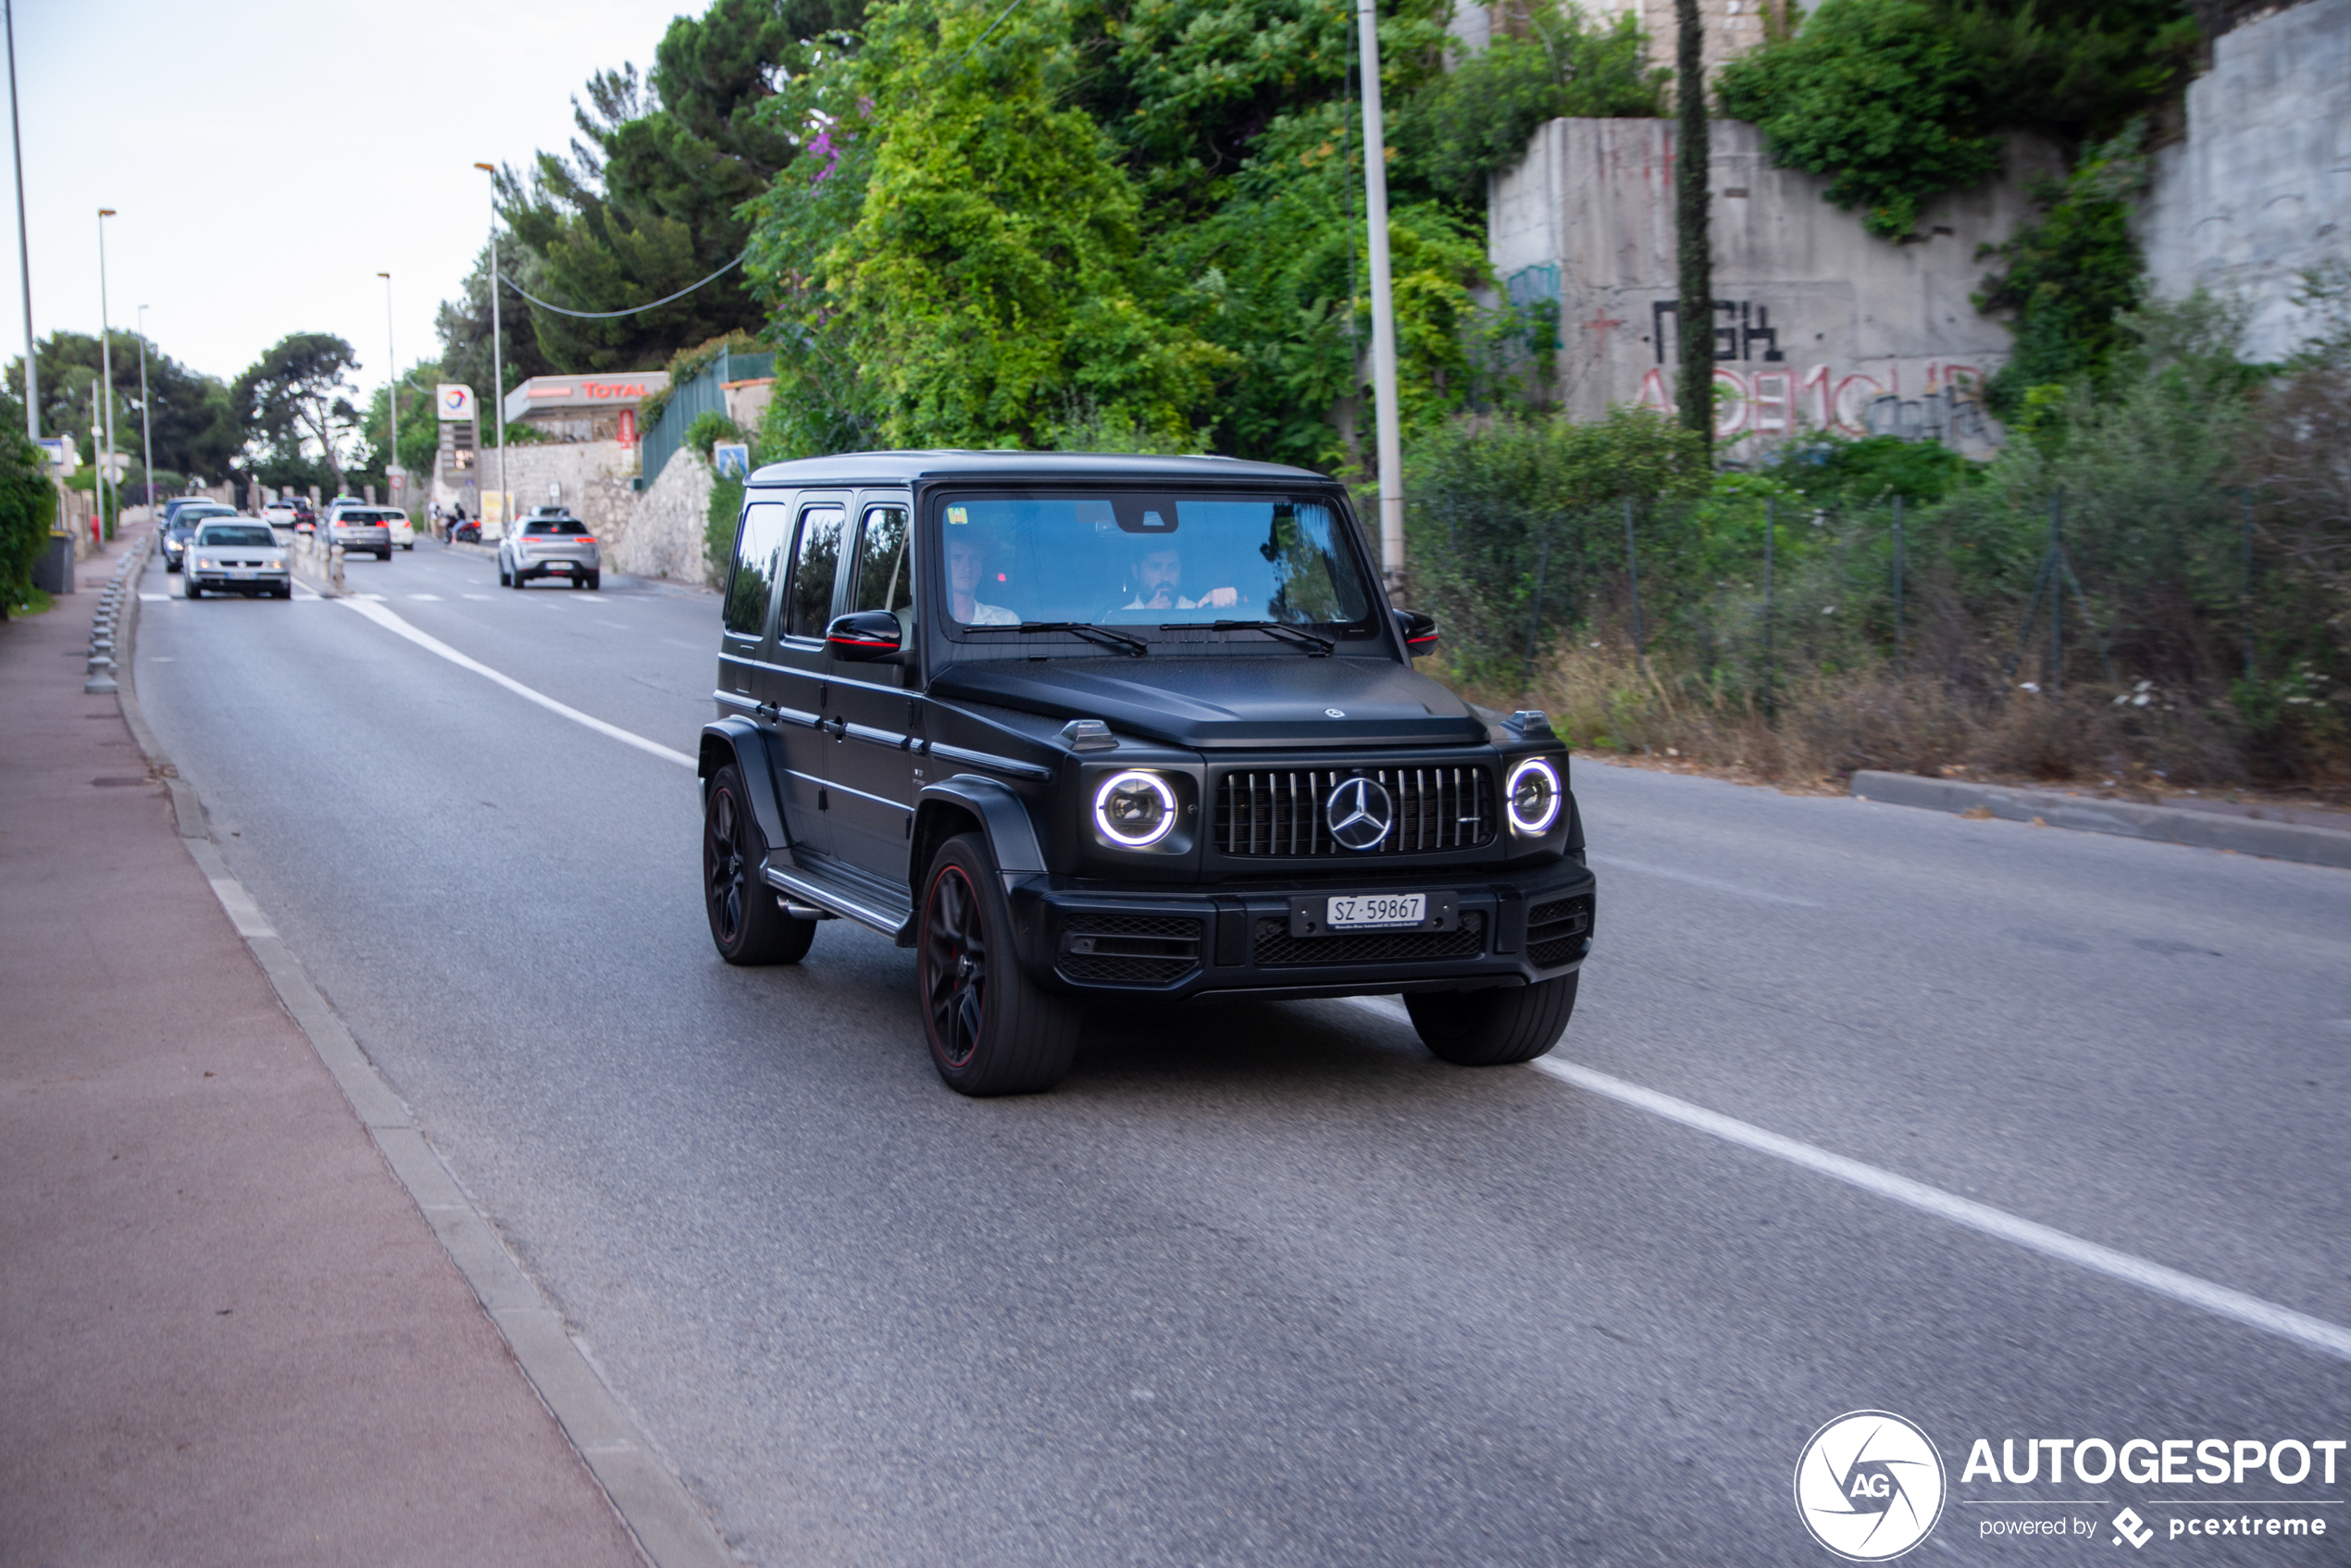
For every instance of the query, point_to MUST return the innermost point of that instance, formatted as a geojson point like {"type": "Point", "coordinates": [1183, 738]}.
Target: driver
{"type": "Point", "coordinates": [963, 564]}
{"type": "Point", "coordinates": [1158, 573]}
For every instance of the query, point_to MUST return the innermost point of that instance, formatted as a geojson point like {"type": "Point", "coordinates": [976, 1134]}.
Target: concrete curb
{"type": "Point", "coordinates": [669, 1526]}
{"type": "Point", "coordinates": [2171, 824]}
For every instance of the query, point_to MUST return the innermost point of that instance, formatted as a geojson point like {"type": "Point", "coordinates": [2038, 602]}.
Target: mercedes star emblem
{"type": "Point", "coordinates": [1359, 814]}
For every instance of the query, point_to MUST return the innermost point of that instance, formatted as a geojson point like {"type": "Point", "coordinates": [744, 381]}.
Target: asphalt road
{"type": "Point", "coordinates": [1265, 1283]}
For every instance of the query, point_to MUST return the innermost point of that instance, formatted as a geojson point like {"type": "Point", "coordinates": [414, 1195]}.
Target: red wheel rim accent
{"type": "Point", "coordinates": [954, 967]}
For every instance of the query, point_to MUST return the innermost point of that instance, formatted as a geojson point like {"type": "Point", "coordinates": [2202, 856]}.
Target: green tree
{"type": "Point", "coordinates": [296, 399]}
{"type": "Point", "coordinates": [996, 268]}
{"type": "Point", "coordinates": [462, 325]}
{"type": "Point", "coordinates": [1898, 101]}
{"type": "Point", "coordinates": [27, 505]}
{"type": "Point", "coordinates": [1474, 121]}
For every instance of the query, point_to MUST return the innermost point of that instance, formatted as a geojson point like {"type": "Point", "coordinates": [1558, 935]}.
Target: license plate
{"type": "Point", "coordinates": [559, 565]}
{"type": "Point", "coordinates": [244, 576]}
{"type": "Point", "coordinates": [1329, 914]}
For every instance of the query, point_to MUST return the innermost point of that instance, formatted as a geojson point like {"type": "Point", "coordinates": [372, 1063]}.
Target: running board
{"type": "Point", "coordinates": [800, 885]}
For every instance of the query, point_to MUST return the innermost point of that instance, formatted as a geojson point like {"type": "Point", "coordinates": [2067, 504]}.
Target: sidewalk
{"type": "Point", "coordinates": [226, 1333]}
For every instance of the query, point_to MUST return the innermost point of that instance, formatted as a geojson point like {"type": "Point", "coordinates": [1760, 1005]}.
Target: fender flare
{"type": "Point", "coordinates": [741, 741]}
{"type": "Point", "coordinates": [1003, 817]}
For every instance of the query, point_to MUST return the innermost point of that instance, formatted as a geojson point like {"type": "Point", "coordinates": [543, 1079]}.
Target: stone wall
{"type": "Point", "coordinates": [594, 480]}
{"type": "Point", "coordinates": [1816, 323]}
{"type": "Point", "coordinates": [665, 532]}
{"type": "Point", "coordinates": [2260, 189]}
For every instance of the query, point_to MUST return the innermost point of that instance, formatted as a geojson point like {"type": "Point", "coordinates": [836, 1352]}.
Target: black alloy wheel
{"type": "Point", "coordinates": [992, 1029]}
{"type": "Point", "coordinates": [746, 922]}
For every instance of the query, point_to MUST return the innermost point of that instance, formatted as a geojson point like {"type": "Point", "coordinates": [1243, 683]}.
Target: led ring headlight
{"type": "Point", "coordinates": [1534, 796]}
{"type": "Point", "coordinates": [1136, 810]}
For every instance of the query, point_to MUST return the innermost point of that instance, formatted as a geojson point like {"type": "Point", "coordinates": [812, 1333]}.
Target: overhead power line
{"type": "Point", "coordinates": [632, 310]}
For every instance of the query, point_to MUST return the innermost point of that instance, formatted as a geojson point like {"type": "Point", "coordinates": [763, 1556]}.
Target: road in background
{"type": "Point", "coordinates": [1262, 1282]}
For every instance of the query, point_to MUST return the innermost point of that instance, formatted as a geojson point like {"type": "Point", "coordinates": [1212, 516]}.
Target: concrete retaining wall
{"type": "Point", "coordinates": [2261, 187]}
{"type": "Point", "coordinates": [1816, 323]}
{"type": "Point", "coordinates": [663, 535]}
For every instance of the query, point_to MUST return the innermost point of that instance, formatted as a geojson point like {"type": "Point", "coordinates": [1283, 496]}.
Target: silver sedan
{"type": "Point", "coordinates": [550, 546]}
{"type": "Point", "coordinates": [235, 555]}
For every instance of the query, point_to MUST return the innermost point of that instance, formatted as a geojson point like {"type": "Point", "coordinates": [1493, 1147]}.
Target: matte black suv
{"type": "Point", "coordinates": [1110, 726]}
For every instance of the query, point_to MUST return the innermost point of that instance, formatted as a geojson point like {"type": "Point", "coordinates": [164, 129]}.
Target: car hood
{"type": "Point", "coordinates": [1283, 700]}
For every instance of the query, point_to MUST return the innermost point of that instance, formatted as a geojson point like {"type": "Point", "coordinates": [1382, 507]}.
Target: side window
{"type": "Point", "coordinates": [809, 604]}
{"type": "Point", "coordinates": [885, 577]}
{"type": "Point", "coordinates": [766, 528]}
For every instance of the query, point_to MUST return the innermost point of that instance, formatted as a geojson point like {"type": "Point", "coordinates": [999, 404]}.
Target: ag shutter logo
{"type": "Point", "coordinates": [1870, 1486]}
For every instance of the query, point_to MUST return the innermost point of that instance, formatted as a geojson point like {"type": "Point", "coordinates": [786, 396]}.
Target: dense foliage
{"type": "Point", "coordinates": [28, 503]}
{"type": "Point", "coordinates": [1898, 101]}
{"type": "Point", "coordinates": [2066, 280]}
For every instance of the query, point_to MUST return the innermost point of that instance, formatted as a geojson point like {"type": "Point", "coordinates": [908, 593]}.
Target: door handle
{"type": "Point", "coordinates": [768, 711]}
{"type": "Point", "coordinates": [837, 725]}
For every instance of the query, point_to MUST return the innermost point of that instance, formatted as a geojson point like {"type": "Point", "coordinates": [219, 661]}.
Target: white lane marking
{"type": "Point", "coordinates": [153, 598]}
{"type": "Point", "coordinates": [375, 598]}
{"type": "Point", "coordinates": [434, 597]}
{"type": "Point", "coordinates": [389, 620]}
{"type": "Point", "coordinates": [2185, 1289]}
{"type": "Point", "coordinates": [485, 598]}
{"type": "Point", "coordinates": [1695, 881]}
{"type": "Point", "coordinates": [302, 594]}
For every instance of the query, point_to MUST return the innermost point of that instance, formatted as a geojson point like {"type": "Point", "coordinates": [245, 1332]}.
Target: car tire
{"type": "Point", "coordinates": [502, 575]}
{"type": "Point", "coordinates": [595, 582]}
{"type": "Point", "coordinates": [992, 1029]}
{"type": "Point", "coordinates": [189, 590]}
{"type": "Point", "coordinates": [746, 923]}
{"type": "Point", "coordinates": [1494, 1027]}
{"type": "Point", "coordinates": [410, 545]}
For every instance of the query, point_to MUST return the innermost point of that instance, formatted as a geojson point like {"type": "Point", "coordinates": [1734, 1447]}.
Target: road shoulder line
{"type": "Point", "coordinates": [2171, 824]}
{"type": "Point", "coordinates": [2317, 1333]}
{"type": "Point", "coordinates": [669, 1527]}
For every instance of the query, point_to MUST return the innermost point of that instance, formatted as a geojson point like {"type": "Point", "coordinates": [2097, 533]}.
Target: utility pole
{"type": "Point", "coordinates": [24, 245]}
{"type": "Point", "coordinates": [1694, 311]}
{"type": "Point", "coordinates": [1391, 440]}
{"type": "Point", "coordinates": [146, 420]}
{"type": "Point", "coordinates": [105, 374]}
{"type": "Point", "coordinates": [392, 397]}
{"type": "Point", "coordinates": [497, 347]}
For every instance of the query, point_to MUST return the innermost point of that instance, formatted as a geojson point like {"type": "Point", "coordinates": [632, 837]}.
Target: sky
{"type": "Point", "coordinates": [266, 159]}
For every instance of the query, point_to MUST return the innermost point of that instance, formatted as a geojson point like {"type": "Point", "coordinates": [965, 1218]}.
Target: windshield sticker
{"type": "Point", "coordinates": [957, 515]}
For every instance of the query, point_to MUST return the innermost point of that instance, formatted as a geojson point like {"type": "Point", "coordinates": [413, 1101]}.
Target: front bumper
{"type": "Point", "coordinates": [1513, 929]}
{"type": "Point", "coordinates": [242, 579]}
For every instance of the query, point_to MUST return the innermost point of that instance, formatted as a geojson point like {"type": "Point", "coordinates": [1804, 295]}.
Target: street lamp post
{"type": "Point", "coordinates": [497, 344]}
{"type": "Point", "coordinates": [1391, 459]}
{"type": "Point", "coordinates": [392, 397]}
{"type": "Point", "coordinates": [146, 420]}
{"type": "Point", "coordinates": [24, 244]}
{"type": "Point", "coordinates": [106, 371]}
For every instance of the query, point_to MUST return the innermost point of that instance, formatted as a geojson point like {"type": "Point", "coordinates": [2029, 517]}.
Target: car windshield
{"type": "Point", "coordinates": [237, 534]}
{"type": "Point", "coordinates": [1148, 560]}
{"type": "Point", "coordinates": [570, 525]}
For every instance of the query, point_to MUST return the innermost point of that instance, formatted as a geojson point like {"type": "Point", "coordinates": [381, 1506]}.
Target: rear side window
{"type": "Point", "coordinates": [766, 528]}
{"type": "Point", "coordinates": [815, 565]}
{"type": "Point", "coordinates": [885, 578]}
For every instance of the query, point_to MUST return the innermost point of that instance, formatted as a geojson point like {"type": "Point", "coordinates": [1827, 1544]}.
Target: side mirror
{"type": "Point", "coordinates": [864, 637]}
{"type": "Point", "coordinates": [1418, 630]}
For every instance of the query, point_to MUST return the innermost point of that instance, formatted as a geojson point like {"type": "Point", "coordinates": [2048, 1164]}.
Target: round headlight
{"type": "Point", "coordinates": [1135, 809]}
{"type": "Point", "coordinates": [1534, 795]}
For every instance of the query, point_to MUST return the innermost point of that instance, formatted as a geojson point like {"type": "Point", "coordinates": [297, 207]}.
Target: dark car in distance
{"type": "Point", "coordinates": [1077, 726]}
{"type": "Point", "coordinates": [180, 521]}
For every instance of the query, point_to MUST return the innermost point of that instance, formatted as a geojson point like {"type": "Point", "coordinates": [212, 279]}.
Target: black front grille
{"type": "Point", "coordinates": [1128, 950]}
{"type": "Point", "coordinates": [1277, 946]}
{"type": "Point", "coordinates": [1556, 932]}
{"type": "Point", "coordinates": [1279, 811]}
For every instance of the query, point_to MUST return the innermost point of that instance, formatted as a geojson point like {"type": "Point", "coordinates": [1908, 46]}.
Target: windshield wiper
{"type": "Point", "coordinates": [1313, 641]}
{"type": "Point", "coordinates": [1121, 641]}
